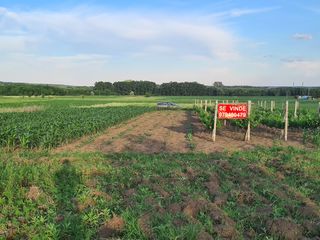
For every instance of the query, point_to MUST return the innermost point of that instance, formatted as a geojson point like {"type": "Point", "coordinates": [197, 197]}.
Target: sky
{"type": "Point", "coordinates": [240, 42]}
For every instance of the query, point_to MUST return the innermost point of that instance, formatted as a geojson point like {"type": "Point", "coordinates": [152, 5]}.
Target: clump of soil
{"type": "Point", "coordinates": [264, 211]}
{"type": "Point", "coordinates": [191, 173]}
{"type": "Point", "coordinates": [59, 218]}
{"type": "Point", "coordinates": [91, 183]}
{"type": "Point", "coordinates": [88, 202]}
{"type": "Point", "coordinates": [213, 185]}
{"type": "Point", "coordinates": [220, 199]}
{"type": "Point", "coordinates": [204, 236]}
{"type": "Point", "coordinates": [224, 226]}
{"type": "Point", "coordinates": [259, 169]}
{"type": "Point", "coordinates": [174, 208]}
{"type": "Point", "coordinates": [224, 164]}
{"type": "Point", "coordinates": [245, 197]}
{"type": "Point", "coordinates": [193, 207]}
{"type": "Point", "coordinates": [33, 193]}
{"type": "Point", "coordinates": [114, 227]}
{"type": "Point", "coordinates": [130, 192]}
{"type": "Point", "coordinates": [312, 228]}
{"type": "Point", "coordinates": [179, 222]}
{"type": "Point", "coordinates": [309, 211]}
{"type": "Point", "coordinates": [104, 195]}
{"type": "Point", "coordinates": [160, 190]}
{"type": "Point", "coordinates": [285, 229]}
{"type": "Point", "coordinates": [144, 225]}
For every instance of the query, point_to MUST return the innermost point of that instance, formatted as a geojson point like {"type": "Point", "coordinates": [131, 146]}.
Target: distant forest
{"type": "Point", "coordinates": [148, 88]}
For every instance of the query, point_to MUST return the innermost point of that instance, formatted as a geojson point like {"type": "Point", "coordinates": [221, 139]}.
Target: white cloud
{"type": "Point", "coordinates": [248, 11]}
{"type": "Point", "coordinates": [302, 36]}
{"type": "Point", "coordinates": [240, 12]}
{"type": "Point", "coordinates": [304, 67]}
{"type": "Point", "coordinates": [82, 69]}
{"type": "Point", "coordinates": [126, 30]}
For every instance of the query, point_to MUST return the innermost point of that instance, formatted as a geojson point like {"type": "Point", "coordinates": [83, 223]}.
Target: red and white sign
{"type": "Point", "coordinates": [232, 111]}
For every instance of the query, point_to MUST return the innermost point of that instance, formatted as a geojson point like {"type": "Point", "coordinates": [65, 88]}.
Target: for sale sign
{"type": "Point", "coordinates": [232, 111]}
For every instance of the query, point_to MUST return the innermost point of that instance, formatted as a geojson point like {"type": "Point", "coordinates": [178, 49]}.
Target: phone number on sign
{"type": "Point", "coordinates": [226, 115]}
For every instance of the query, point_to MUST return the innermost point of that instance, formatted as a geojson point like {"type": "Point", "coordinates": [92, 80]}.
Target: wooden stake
{"type": "Point", "coordinates": [286, 123]}
{"type": "Point", "coordinates": [214, 131]}
{"type": "Point", "coordinates": [201, 105]}
{"type": "Point", "coordinates": [205, 105]}
{"type": "Point", "coordinates": [248, 134]}
{"type": "Point", "coordinates": [271, 106]}
{"type": "Point", "coordinates": [296, 108]}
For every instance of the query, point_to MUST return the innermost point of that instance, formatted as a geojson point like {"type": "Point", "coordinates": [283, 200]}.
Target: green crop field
{"type": "Point", "coordinates": [255, 192]}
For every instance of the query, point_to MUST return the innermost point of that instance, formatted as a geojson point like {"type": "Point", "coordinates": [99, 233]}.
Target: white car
{"type": "Point", "coordinates": [167, 105]}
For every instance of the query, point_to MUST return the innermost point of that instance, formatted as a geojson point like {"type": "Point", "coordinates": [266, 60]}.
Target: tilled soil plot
{"type": "Point", "coordinates": [166, 131]}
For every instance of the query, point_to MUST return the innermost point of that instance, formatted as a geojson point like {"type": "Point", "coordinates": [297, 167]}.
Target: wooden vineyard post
{"type": "Point", "coordinates": [225, 121]}
{"type": "Point", "coordinates": [214, 131]}
{"type": "Point", "coordinates": [248, 133]}
{"type": "Point", "coordinates": [210, 103]}
{"type": "Point", "coordinates": [296, 104]}
{"type": "Point", "coordinates": [201, 104]}
{"type": "Point", "coordinates": [205, 105]}
{"type": "Point", "coordinates": [286, 122]}
{"type": "Point", "coordinates": [271, 106]}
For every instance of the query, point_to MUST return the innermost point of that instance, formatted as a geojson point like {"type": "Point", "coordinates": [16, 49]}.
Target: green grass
{"type": "Point", "coordinates": [132, 185]}
{"type": "Point", "coordinates": [184, 101]}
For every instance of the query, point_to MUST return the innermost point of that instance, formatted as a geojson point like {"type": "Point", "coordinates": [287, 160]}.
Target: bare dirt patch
{"type": "Point", "coordinates": [112, 228]}
{"type": "Point", "coordinates": [33, 193]}
{"type": "Point", "coordinates": [285, 229]}
{"type": "Point", "coordinates": [166, 131]}
{"type": "Point", "coordinates": [144, 224]}
{"type": "Point", "coordinates": [161, 131]}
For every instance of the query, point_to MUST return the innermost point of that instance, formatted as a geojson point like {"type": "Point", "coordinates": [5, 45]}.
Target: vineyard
{"type": "Point", "coordinates": [306, 121]}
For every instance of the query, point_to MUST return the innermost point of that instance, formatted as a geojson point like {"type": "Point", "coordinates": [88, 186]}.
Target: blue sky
{"type": "Point", "coordinates": [240, 42]}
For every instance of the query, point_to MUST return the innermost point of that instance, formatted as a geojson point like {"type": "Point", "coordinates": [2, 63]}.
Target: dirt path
{"type": "Point", "coordinates": [161, 131]}
{"type": "Point", "coordinates": [165, 131]}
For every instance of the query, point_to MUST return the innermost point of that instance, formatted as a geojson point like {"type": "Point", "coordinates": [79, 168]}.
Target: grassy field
{"type": "Point", "coordinates": [258, 193]}
{"type": "Point", "coordinates": [184, 101]}
{"type": "Point", "coordinates": [255, 194]}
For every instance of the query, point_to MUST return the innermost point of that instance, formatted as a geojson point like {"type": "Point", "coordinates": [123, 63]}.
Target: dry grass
{"type": "Point", "coordinates": [115, 104]}
{"type": "Point", "coordinates": [22, 109]}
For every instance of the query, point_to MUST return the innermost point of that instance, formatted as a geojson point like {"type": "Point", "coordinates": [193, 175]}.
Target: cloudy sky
{"type": "Point", "coordinates": [239, 42]}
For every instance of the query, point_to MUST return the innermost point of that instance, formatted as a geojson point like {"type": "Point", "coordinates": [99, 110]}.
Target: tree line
{"type": "Point", "coordinates": [149, 88]}
{"type": "Point", "coordinates": [196, 89]}
{"type": "Point", "coordinates": [24, 89]}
